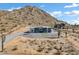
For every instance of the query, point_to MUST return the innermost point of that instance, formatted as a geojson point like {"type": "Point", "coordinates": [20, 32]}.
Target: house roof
{"type": "Point", "coordinates": [41, 26]}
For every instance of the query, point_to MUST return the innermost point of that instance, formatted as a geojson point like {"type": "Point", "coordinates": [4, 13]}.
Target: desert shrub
{"type": "Point", "coordinates": [40, 49]}
{"type": "Point", "coordinates": [14, 48]}
{"type": "Point", "coordinates": [29, 23]}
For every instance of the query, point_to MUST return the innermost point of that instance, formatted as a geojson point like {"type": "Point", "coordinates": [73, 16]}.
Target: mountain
{"type": "Point", "coordinates": [26, 16]}
{"type": "Point", "coordinates": [3, 12]}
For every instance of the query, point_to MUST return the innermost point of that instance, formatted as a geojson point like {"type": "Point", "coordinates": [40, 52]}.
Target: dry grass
{"type": "Point", "coordinates": [37, 46]}
{"type": "Point", "coordinates": [27, 16]}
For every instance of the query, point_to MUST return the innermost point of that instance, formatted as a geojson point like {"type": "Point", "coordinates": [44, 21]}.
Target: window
{"type": "Point", "coordinates": [49, 30]}
{"type": "Point", "coordinates": [41, 30]}
{"type": "Point", "coordinates": [36, 30]}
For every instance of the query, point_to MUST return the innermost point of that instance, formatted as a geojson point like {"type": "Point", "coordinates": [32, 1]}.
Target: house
{"type": "Point", "coordinates": [41, 31]}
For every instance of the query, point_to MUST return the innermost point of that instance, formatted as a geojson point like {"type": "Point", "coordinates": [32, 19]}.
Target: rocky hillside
{"type": "Point", "coordinates": [3, 12]}
{"type": "Point", "coordinates": [26, 16]}
{"type": "Point", "coordinates": [36, 46]}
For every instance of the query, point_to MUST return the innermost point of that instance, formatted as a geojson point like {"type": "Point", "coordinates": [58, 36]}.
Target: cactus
{"type": "Point", "coordinates": [3, 40]}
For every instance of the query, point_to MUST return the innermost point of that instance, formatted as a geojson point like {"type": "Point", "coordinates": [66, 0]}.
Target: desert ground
{"type": "Point", "coordinates": [43, 46]}
{"type": "Point", "coordinates": [14, 23]}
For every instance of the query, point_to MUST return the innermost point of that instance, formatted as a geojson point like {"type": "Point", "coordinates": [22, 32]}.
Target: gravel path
{"type": "Point", "coordinates": [11, 37]}
{"type": "Point", "coordinates": [36, 35]}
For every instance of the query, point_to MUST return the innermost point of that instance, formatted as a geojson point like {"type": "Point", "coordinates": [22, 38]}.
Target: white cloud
{"type": "Point", "coordinates": [74, 12]}
{"type": "Point", "coordinates": [67, 13]}
{"type": "Point", "coordinates": [60, 15]}
{"type": "Point", "coordinates": [74, 21]}
{"type": "Point", "coordinates": [51, 13]}
{"type": "Point", "coordinates": [72, 5]}
{"type": "Point", "coordinates": [56, 13]}
{"type": "Point", "coordinates": [13, 8]}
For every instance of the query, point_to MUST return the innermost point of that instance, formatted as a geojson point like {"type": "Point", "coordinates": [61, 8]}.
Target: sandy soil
{"type": "Point", "coordinates": [39, 46]}
{"type": "Point", "coordinates": [43, 46]}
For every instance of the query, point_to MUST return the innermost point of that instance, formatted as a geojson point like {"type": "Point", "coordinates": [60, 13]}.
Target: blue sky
{"type": "Point", "coordinates": [68, 12]}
